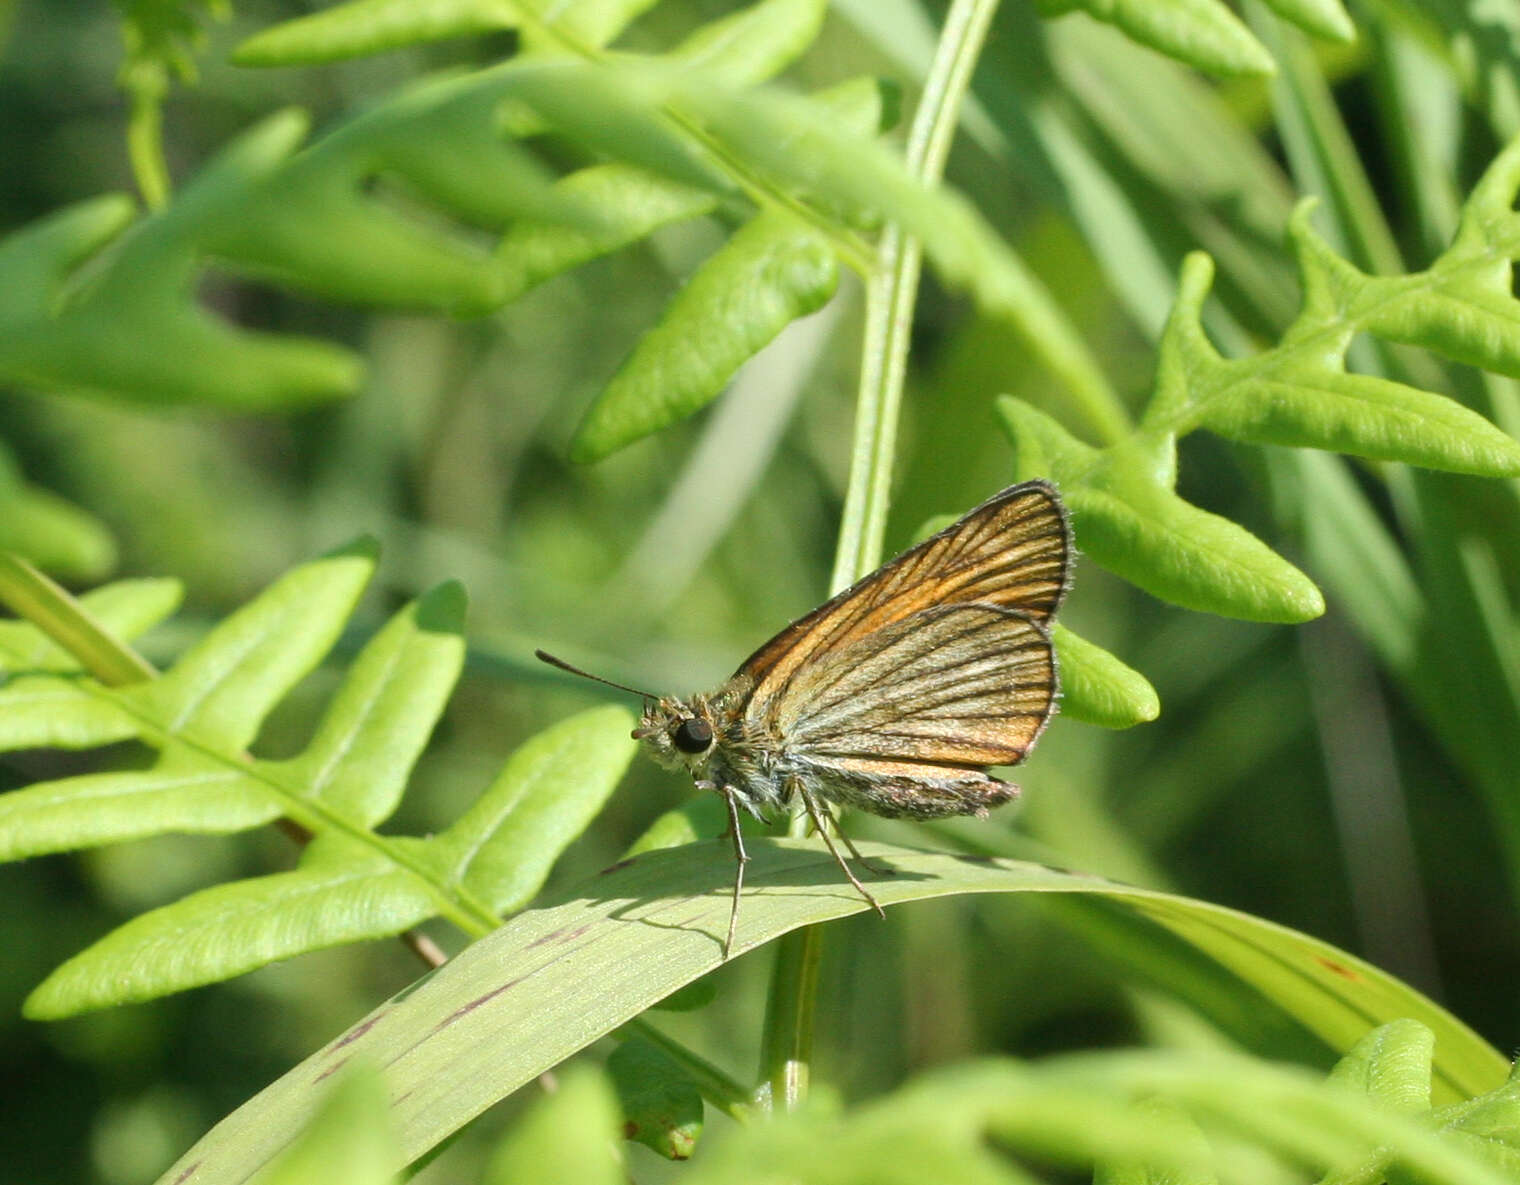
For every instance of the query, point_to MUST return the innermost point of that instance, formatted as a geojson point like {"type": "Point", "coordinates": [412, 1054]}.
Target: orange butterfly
{"type": "Point", "coordinates": [894, 696]}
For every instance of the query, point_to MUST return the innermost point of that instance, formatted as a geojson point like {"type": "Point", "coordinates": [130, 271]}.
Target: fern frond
{"type": "Point", "coordinates": [56, 535]}
{"type": "Point", "coordinates": [310, 220]}
{"type": "Point", "coordinates": [306, 219]}
{"type": "Point", "coordinates": [362, 27]}
{"type": "Point", "coordinates": [1298, 393]}
{"type": "Point", "coordinates": [203, 713]}
{"type": "Point", "coordinates": [1205, 34]}
{"type": "Point", "coordinates": [685, 138]}
{"type": "Point", "coordinates": [772, 271]}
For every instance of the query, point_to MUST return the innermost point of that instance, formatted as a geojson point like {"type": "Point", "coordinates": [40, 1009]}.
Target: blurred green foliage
{"type": "Point", "coordinates": [1354, 777]}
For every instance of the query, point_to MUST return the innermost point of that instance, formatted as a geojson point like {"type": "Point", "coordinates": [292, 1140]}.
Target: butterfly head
{"type": "Point", "coordinates": [679, 734]}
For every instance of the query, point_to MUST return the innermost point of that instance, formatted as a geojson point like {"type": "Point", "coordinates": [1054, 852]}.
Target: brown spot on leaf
{"type": "Point", "coordinates": [476, 1003]}
{"type": "Point", "coordinates": [1340, 969]}
{"type": "Point", "coordinates": [357, 1031]}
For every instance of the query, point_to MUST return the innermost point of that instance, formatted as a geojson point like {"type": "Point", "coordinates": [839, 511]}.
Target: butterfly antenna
{"type": "Point", "coordinates": [545, 656]}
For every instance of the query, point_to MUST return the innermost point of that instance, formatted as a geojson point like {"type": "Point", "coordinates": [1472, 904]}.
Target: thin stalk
{"type": "Point", "coordinates": [145, 148]}
{"type": "Point", "coordinates": [891, 291]}
{"type": "Point", "coordinates": [788, 1041]}
{"type": "Point", "coordinates": [717, 1087]}
{"type": "Point", "coordinates": [32, 596]}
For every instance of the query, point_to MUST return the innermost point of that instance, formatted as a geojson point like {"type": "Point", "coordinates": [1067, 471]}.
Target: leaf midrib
{"type": "Point", "coordinates": [456, 904]}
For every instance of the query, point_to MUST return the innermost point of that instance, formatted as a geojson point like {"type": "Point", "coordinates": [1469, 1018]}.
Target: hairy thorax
{"type": "Point", "coordinates": [739, 753]}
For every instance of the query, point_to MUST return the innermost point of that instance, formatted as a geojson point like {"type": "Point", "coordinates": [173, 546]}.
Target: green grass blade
{"type": "Point", "coordinates": [1359, 560]}
{"type": "Point", "coordinates": [553, 979]}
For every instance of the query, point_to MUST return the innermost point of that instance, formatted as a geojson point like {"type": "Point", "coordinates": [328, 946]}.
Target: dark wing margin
{"type": "Point", "coordinates": [959, 686]}
{"type": "Point", "coordinates": [1013, 552]}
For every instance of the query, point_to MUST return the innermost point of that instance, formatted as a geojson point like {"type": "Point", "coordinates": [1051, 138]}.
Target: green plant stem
{"type": "Point", "coordinates": [145, 148]}
{"type": "Point", "coordinates": [788, 1040]}
{"type": "Point", "coordinates": [891, 291]}
{"type": "Point", "coordinates": [717, 1087]}
{"type": "Point", "coordinates": [31, 595]}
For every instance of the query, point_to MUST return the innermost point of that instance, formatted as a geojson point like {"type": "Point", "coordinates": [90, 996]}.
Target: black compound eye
{"type": "Point", "coordinates": [692, 736]}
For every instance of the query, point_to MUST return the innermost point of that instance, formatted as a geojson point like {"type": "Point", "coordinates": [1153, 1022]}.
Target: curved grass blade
{"type": "Point", "coordinates": [554, 979]}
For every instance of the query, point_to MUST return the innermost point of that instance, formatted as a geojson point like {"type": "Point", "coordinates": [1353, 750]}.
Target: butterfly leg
{"type": "Point", "coordinates": [868, 865]}
{"type": "Point", "coordinates": [816, 814]}
{"type": "Point", "coordinates": [741, 858]}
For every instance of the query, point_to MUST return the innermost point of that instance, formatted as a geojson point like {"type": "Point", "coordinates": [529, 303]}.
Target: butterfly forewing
{"type": "Point", "coordinates": [955, 685]}
{"type": "Point", "coordinates": [1012, 552]}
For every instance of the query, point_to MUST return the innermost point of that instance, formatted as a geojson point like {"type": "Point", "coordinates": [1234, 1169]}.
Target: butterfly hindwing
{"type": "Point", "coordinates": [906, 789]}
{"type": "Point", "coordinates": [953, 685]}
